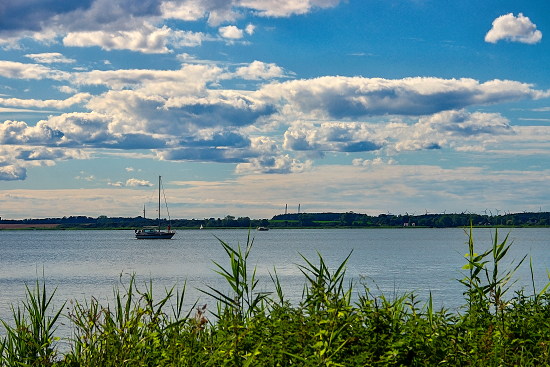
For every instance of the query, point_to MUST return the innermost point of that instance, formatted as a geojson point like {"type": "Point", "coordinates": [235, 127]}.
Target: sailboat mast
{"type": "Point", "coordinates": [159, 203]}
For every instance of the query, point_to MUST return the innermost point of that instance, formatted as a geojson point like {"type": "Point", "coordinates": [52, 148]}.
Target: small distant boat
{"type": "Point", "coordinates": [262, 229]}
{"type": "Point", "coordinates": [154, 232]}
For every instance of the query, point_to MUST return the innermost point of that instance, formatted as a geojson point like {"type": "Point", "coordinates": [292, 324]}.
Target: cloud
{"type": "Point", "coordinates": [49, 154]}
{"type": "Point", "coordinates": [452, 129]}
{"type": "Point", "coordinates": [134, 182]}
{"type": "Point", "coordinates": [184, 10]}
{"type": "Point", "coordinates": [188, 80]}
{"type": "Point", "coordinates": [514, 29]}
{"type": "Point", "coordinates": [217, 139]}
{"type": "Point", "coordinates": [355, 97]}
{"type": "Point", "coordinates": [331, 136]}
{"type": "Point", "coordinates": [250, 29]}
{"type": "Point", "coordinates": [31, 15]}
{"type": "Point", "coordinates": [137, 112]}
{"type": "Point", "coordinates": [258, 70]}
{"type": "Point", "coordinates": [50, 58]}
{"type": "Point", "coordinates": [276, 8]}
{"type": "Point", "coordinates": [282, 164]}
{"type": "Point", "coordinates": [27, 155]}
{"type": "Point", "coordinates": [467, 124]}
{"type": "Point", "coordinates": [67, 89]}
{"type": "Point", "coordinates": [36, 15]}
{"type": "Point", "coordinates": [18, 70]}
{"type": "Point", "coordinates": [372, 163]}
{"type": "Point", "coordinates": [208, 154]}
{"type": "Point", "coordinates": [146, 39]}
{"type": "Point", "coordinates": [231, 32]}
{"type": "Point", "coordinates": [51, 103]}
{"type": "Point", "coordinates": [81, 129]}
{"type": "Point", "coordinates": [120, 25]}
{"type": "Point", "coordinates": [92, 22]}
{"type": "Point", "coordinates": [85, 177]}
{"type": "Point", "coordinates": [457, 129]}
{"type": "Point", "coordinates": [187, 114]}
{"type": "Point", "coordinates": [217, 12]}
{"type": "Point", "coordinates": [94, 130]}
{"type": "Point", "coordinates": [18, 133]}
{"type": "Point", "coordinates": [12, 173]}
{"type": "Point", "coordinates": [253, 154]}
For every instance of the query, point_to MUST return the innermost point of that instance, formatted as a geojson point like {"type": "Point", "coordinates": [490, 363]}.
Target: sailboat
{"type": "Point", "coordinates": [154, 232]}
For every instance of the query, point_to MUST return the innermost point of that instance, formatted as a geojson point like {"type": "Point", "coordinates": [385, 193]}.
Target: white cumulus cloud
{"type": "Point", "coordinates": [147, 39]}
{"type": "Point", "coordinates": [231, 32]}
{"type": "Point", "coordinates": [515, 29]}
{"type": "Point", "coordinates": [332, 136]}
{"type": "Point", "coordinates": [49, 103]}
{"type": "Point", "coordinates": [260, 70]}
{"type": "Point", "coordinates": [285, 8]}
{"type": "Point", "coordinates": [18, 70]}
{"type": "Point", "coordinates": [50, 58]}
{"type": "Point", "coordinates": [12, 173]}
{"type": "Point", "coordinates": [273, 165]}
{"type": "Point", "coordinates": [250, 29]}
{"type": "Point", "coordinates": [134, 182]}
{"type": "Point", "coordinates": [354, 97]}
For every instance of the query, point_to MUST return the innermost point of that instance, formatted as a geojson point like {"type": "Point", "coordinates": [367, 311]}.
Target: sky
{"type": "Point", "coordinates": [245, 107]}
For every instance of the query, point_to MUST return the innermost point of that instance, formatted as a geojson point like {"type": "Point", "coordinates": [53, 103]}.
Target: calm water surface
{"type": "Point", "coordinates": [82, 264]}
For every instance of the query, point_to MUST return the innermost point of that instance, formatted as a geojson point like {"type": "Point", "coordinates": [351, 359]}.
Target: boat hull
{"type": "Point", "coordinates": [154, 235]}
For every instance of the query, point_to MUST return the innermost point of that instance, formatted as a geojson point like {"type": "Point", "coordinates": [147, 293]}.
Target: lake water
{"type": "Point", "coordinates": [82, 264]}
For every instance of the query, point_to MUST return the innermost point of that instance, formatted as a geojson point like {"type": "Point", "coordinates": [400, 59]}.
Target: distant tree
{"type": "Point", "coordinates": [229, 221]}
{"type": "Point", "coordinates": [306, 220]}
{"type": "Point", "coordinates": [243, 222]}
{"type": "Point", "coordinates": [347, 219]}
{"type": "Point", "coordinates": [445, 221]}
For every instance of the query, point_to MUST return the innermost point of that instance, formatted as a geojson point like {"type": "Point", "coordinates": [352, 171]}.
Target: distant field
{"type": "Point", "coordinates": [23, 226]}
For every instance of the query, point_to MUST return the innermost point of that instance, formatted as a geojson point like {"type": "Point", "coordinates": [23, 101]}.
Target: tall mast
{"type": "Point", "coordinates": [159, 203]}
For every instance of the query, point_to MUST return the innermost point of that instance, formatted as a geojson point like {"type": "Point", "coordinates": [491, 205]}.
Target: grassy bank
{"type": "Point", "coordinates": [251, 328]}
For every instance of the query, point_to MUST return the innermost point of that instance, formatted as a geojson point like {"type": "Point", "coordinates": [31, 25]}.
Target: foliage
{"type": "Point", "coordinates": [30, 340]}
{"type": "Point", "coordinates": [253, 328]}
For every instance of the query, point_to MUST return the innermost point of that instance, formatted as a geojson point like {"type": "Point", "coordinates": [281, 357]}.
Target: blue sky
{"type": "Point", "coordinates": [245, 106]}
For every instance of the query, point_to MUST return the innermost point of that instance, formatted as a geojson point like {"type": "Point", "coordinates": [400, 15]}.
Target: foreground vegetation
{"type": "Point", "coordinates": [327, 328]}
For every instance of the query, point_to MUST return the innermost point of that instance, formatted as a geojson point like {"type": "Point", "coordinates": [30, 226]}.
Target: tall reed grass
{"type": "Point", "coordinates": [248, 327]}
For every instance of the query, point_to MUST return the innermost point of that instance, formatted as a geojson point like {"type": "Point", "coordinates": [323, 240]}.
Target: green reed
{"type": "Point", "coordinates": [249, 327]}
{"type": "Point", "coordinates": [30, 338]}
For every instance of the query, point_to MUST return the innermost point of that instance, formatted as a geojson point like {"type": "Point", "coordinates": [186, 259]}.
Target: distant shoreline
{"type": "Point", "coordinates": [292, 221]}
{"type": "Point", "coordinates": [59, 227]}
{"type": "Point", "coordinates": [28, 226]}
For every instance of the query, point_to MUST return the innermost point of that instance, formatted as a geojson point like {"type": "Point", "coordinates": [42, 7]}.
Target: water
{"type": "Point", "coordinates": [82, 264]}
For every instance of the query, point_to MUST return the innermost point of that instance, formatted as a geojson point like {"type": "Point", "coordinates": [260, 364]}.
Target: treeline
{"type": "Point", "coordinates": [301, 220]}
{"type": "Point", "coordinates": [104, 222]}
{"type": "Point", "coordinates": [351, 219]}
